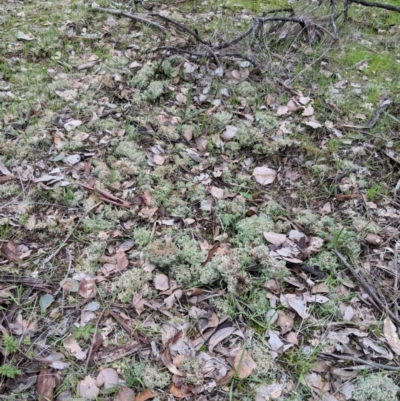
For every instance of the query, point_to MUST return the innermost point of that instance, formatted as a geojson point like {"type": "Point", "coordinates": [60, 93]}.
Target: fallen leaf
{"type": "Point", "coordinates": [46, 382]}
{"type": "Point", "coordinates": [72, 124]}
{"type": "Point", "coordinates": [284, 322]}
{"type": "Point", "coordinates": [264, 175]}
{"type": "Point", "coordinates": [87, 388]}
{"type": "Point", "coordinates": [219, 336]}
{"type": "Point", "coordinates": [74, 348]}
{"type": "Point", "coordinates": [87, 288]}
{"type": "Point", "coordinates": [390, 332]}
{"type": "Point", "coordinates": [313, 124]}
{"type": "Point", "coordinates": [217, 192]}
{"type": "Point", "coordinates": [146, 395]}
{"type": "Point", "coordinates": [296, 303]}
{"type": "Point", "coordinates": [161, 282]}
{"type": "Point", "coordinates": [229, 133]}
{"type": "Point", "coordinates": [108, 378]}
{"type": "Point", "coordinates": [244, 364]}
{"type": "Point", "coordinates": [265, 393]}
{"type": "Point", "coordinates": [308, 111]}
{"type": "Point", "coordinates": [45, 301]}
{"type": "Point", "coordinates": [282, 110]}
{"type": "Point", "coordinates": [125, 394]}
{"type": "Point", "coordinates": [275, 238]}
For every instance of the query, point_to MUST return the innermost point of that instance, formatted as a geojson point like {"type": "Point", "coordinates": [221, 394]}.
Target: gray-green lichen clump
{"type": "Point", "coordinates": [376, 387]}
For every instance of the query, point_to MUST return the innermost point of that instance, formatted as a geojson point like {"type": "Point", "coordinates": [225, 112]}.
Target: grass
{"type": "Point", "coordinates": [130, 113]}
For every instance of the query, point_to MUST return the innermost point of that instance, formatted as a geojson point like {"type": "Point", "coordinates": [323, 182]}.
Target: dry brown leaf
{"type": "Point", "coordinates": [282, 110]}
{"type": "Point", "coordinates": [296, 303]}
{"type": "Point", "coordinates": [161, 282]}
{"type": "Point", "coordinates": [265, 393]}
{"type": "Point", "coordinates": [125, 394]}
{"type": "Point", "coordinates": [390, 332]}
{"type": "Point", "coordinates": [275, 238]}
{"type": "Point", "coordinates": [243, 364]}
{"type": "Point", "coordinates": [284, 322]}
{"type": "Point", "coordinates": [46, 382]}
{"type": "Point", "coordinates": [217, 192]}
{"type": "Point", "coordinates": [108, 378]}
{"type": "Point", "coordinates": [264, 175]}
{"type": "Point", "coordinates": [309, 111]}
{"type": "Point", "coordinates": [74, 348]}
{"type": "Point", "coordinates": [87, 388]}
{"type": "Point", "coordinates": [219, 336]}
{"type": "Point", "coordinates": [87, 288]}
{"type": "Point", "coordinates": [146, 395]}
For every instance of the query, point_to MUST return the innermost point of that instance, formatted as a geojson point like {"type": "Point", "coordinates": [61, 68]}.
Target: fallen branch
{"type": "Point", "coordinates": [375, 4]}
{"type": "Point", "coordinates": [361, 361]}
{"type": "Point", "coordinates": [367, 287]}
{"type": "Point", "coordinates": [106, 196]}
{"type": "Point", "coordinates": [130, 16]}
{"type": "Point", "coordinates": [181, 26]}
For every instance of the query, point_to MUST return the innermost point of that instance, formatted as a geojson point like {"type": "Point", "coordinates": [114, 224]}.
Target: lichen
{"type": "Point", "coordinates": [141, 236]}
{"type": "Point", "coordinates": [154, 90]}
{"type": "Point", "coordinates": [8, 189]}
{"type": "Point", "coordinates": [150, 375]}
{"type": "Point", "coordinates": [266, 121]}
{"type": "Point", "coordinates": [128, 282]}
{"type": "Point", "coordinates": [250, 229]}
{"type": "Point", "coordinates": [162, 253]}
{"type": "Point", "coordinates": [143, 77]}
{"type": "Point", "coordinates": [222, 118]}
{"type": "Point", "coordinates": [376, 387]}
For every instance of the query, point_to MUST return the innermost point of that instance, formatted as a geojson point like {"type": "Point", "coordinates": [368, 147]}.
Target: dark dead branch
{"type": "Point", "coordinates": [367, 287]}
{"type": "Point", "coordinates": [388, 7]}
{"type": "Point", "coordinates": [362, 362]}
{"type": "Point", "coordinates": [181, 26]}
{"type": "Point", "coordinates": [131, 17]}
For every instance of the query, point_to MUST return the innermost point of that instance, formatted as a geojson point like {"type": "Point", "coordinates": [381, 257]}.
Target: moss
{"type": "Point", "coordinates": [262, 358]}
{"type": "Point", "coordinates": [229, 212]}
{"type": "Point", "coordinates": [191, 367]}
{"type": "Point", "coordinates": [154, 90]}
{"type": "Point", "coordinates": [376, 387]}
{"type": "Point", "coordinates": [150, 375]}
{"type": "Point", "coordinates": [141, 236]}
{"type": "Point", "coordinates": [222, 118]}
{"type": "Point", "coordinates": [250, 230]}
{"type": "Point", "coordinates": [96, 223]}
{"type": "Point", "coordinates": [130, 281]}
{"type": "Point", "coordinates": [131, 150]}
{"type": "Point", "coordinates": [271, 267]}
{"type": "Point", "coordinates": [162, 253]}
{"type": "Point", "coordinates": [8, 189]}
{"type": "Point", "coordinates": [325, 261]}
{"type": "Point", "coordinates": [266, 121]}
{"type": "Point", "coordinates": [88, 263]}
{"type": "Point", "coordinates": [143, 77]}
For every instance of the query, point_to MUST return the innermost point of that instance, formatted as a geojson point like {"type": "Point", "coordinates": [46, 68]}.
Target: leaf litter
{"type": "Point", "coordinates": [195, 238]}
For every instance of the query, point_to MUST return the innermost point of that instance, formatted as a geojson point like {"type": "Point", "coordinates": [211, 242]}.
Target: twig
{"type": "Point", "coordinates": [375, 4]}
{"type": "Point", "coordinates": [181, 26]}
{"type": "Point", "coordinates": [55, 253]}
{"type": "Point", "coordinates": [68, 270]}
{"type": "Point", "coordinates": [367, 287]}
{"type": "Point", "coordinates": [361, 361]}
{"type": "Point", "coordinates": [130, 16]}
{"type": "Point", "coordinates": [93, 342]}
{"type": "Point", "coordinates": [333, 17]}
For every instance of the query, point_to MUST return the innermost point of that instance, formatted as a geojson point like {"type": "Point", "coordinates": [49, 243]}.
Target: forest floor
{"type": "Point", "coordinates": [205, 221]}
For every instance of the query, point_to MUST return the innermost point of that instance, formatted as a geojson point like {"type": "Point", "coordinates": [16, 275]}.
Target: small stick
{"type": "Point", "coordinates": [130, 16]}
{"type": "Point", "coordinates": [93, 342]}
{"type": "Point", "coordinates": [367, 287]}
{"type": "Point", "coordinates": [181, 26]}
{"type": "Point", "coordinates": [362, 361]}
{"type": "Point", "coordinates": [55, 253]}
{"type": "Point", "coordinates": [378, 5]}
